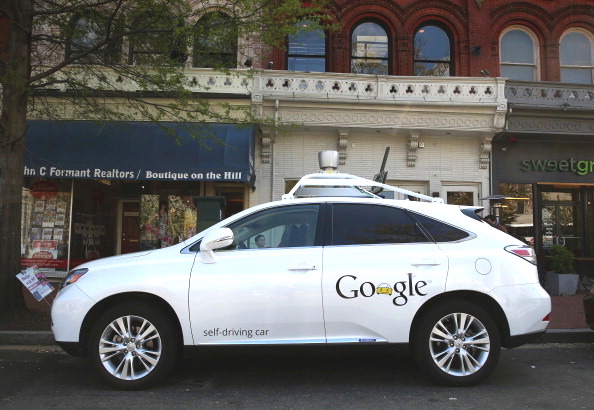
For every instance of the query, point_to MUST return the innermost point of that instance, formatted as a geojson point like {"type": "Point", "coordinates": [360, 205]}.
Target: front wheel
{"type": "Point", "coordinates": [132, 346]}
{"type": "Point", "coordinates": [457, 344]}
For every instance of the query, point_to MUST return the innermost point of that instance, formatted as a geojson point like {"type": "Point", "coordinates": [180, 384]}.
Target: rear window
{"type": "Point", "coordinates": [440, 231]}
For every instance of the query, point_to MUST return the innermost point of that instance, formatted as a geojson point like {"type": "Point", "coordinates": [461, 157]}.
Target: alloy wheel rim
{"type": "Point", "coordinates": [130, 347]}
{"type": "Point", "coordinates": [459, 344]}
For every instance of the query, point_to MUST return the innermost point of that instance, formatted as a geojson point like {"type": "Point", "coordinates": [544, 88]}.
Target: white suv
{"type": "Point", "coordinates": [341, 265]}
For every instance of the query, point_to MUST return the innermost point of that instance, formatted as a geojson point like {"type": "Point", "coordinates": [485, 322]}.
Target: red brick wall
{"type": "Point", "coordinates": [471, 27]}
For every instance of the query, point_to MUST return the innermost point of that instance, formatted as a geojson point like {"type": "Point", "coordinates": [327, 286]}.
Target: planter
{"type": "Point", "coordinates": [564, 284]}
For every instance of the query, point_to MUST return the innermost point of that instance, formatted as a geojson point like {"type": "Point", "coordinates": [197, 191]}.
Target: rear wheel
{"type": "Point", "coordinates": [457, 344]}
{"type": "Point", "coordinates": [132, 346]}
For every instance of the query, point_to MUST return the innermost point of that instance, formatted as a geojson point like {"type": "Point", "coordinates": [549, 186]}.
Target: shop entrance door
{"type": "Point", "coordinates": [130, 223]}
{"type": "Point", "coordinates": [562, 221]}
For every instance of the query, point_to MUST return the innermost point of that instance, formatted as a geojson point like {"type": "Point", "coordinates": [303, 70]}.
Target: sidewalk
{"type": "Point", "coordinates": [567, 322]}
{"type": "Point", "coordinates": [567, 325]}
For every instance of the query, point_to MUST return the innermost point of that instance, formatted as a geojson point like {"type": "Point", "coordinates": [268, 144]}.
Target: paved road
{"type": "Point", "coordinates": [548, 376]}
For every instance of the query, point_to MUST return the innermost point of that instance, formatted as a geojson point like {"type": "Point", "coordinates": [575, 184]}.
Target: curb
{"type": "Point", "coordinates": [46, 338]}
{"type": "Point", "coordinates": [566, 336]}
{"type": "Point", "coordinates": [43, 338]}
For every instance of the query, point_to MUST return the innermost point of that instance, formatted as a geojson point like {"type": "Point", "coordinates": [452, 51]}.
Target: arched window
{"type": "Point", "coordinates": [432, 52]}
{"type": "Point", "coordinates": [369, 49]}
{"type": "Point", "coordinates": [215, 42]}
{"type": "Point", "coordinates": [87, 40]}
{"type": "Point", "coordinates": [518, 55]}
{"type": "Point", "coordinates": [577, 64]}
{"type": "Point", "coordinates": [306, 50]}
{"type": "Point", "coordinates": [157, 39]}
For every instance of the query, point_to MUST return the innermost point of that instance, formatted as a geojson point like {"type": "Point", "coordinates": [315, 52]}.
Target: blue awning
{"type": "Point", "coordinates": [139, 151]}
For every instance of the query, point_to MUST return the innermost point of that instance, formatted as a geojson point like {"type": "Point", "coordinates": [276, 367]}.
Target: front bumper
{"type": "Point", "coordinates": [68, 312]}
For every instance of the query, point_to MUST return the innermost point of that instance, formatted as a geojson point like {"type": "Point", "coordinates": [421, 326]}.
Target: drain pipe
{"type": "Point", "coordinates": [273, 156]}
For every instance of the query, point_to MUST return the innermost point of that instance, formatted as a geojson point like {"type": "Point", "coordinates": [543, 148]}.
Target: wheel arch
{"type": "Point", "coordinates": [482, 300]}
{"type": "Point", "coordinates": [114, 300]}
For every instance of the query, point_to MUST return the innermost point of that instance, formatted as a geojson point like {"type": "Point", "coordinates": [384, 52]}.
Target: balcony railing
{"type": "Point", "coordinates": [273, 84]}
{"type": "Point", "coordinates": [381, 89]}
{"type": "Point", "coordinates": [549, 95]}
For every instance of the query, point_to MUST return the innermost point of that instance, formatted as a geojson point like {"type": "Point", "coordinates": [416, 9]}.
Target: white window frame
{"type": "Point", "coordinates": [461, 187]}
{"type": "Point", "coordinates": [590, 38]}
{"type": "Point", "coordinates": [536, 48]}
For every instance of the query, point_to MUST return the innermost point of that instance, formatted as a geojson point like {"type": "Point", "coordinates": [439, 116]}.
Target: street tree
{"type": "Point", "coordinates": [119, 60]}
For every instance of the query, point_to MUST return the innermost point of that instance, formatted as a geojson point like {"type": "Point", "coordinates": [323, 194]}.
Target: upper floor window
{"type": "Point", "coordinates": [87, 40]}
{"type": "Point", "coordinates": [307, 49]}
{"type": "Point", "coordinates": [518, 55]}
{"type": "Point", "coordinates": [369, 49]}
{"type": "Point", "coordinates": [576, 53]}
{"type": "Point", "coordinates": [157, 41]}
{"type": "Point", "coordinates": [215, 42]}
{"type": "Point", "coordinates": [432, 52]}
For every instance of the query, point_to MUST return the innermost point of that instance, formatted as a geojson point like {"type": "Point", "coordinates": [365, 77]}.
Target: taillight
{"type": "Point", "coordinates": [523, 251]}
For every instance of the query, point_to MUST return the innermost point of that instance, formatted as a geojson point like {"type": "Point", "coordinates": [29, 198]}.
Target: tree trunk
{"type": "Point", "coordinates": [15, 74]}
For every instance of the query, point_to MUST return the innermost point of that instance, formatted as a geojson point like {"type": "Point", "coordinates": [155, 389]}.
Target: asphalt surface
{"type": "Point", "coordinates": [536, 376]}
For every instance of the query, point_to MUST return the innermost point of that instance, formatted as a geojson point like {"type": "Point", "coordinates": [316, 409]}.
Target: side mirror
{"type": "Point", "coordinates": [214, 239]}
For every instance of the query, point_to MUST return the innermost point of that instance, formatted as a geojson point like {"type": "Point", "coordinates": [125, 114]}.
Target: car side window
{"type": "Point", "coordinates": [280, 227]}
{"type": "Point", "coordinates": [362, 224]}
{"type": "Point", "coordinates": [440, 231]}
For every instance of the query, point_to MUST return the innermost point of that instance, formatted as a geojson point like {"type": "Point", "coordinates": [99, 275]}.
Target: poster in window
{"type": "Point", "coordinates": [49, 218]}
{"type": "Point", "coordinates": [35, 234]}
{"type": "Point", "coordinates": [37, 219]}
{"type": "Point", "coordinates": [39, 206]}
{"type": "Point", "coordinates": [47, 234]}
{"type": "Point", "coordinates": [61, 207]}
{"type": "Point", "coordinates": [58, 234]}
{"type": "Point", "coordinates": [60, 219]}
{"type": "Point", "coordinates": [51, 204]}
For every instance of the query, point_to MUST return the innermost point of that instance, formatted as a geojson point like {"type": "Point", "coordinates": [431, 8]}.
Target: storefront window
{"type": "Point", "coordinates": [459, 198]}
{"type": "Point", "coordinates": [516, 213]}
{"type": "Point", "coordinates": [44, 226]}
{"type": "Point", "coordinates": [166, 222]}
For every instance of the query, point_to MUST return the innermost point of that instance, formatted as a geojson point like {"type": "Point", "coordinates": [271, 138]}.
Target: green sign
{"type": "Point", "coordinates": [551, 165]}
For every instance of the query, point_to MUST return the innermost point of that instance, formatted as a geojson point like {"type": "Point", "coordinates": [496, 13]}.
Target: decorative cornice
{"type": "Point", "coordinates": [356, 117]}
{"type": "Point", "coordinates": [551, 125]}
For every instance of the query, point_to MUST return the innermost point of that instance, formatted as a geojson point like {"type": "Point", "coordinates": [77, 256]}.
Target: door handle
{"type": "Point", "coordinates": [303, 267]}
{"type": "Point", "coordinates": [432, 262]}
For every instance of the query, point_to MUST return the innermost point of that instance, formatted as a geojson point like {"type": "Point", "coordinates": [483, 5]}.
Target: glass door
{"type": "Point", "coordinates": [561, 220]}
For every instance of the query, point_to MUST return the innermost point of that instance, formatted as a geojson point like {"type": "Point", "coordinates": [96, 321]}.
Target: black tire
{"type": "Point", "coordinates": [123, 360]}
{"type": "Point", "coordinates": [448, 354]}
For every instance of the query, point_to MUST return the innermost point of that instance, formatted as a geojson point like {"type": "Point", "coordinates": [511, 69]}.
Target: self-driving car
{"type": "Point", "coordinates": [347, 260]}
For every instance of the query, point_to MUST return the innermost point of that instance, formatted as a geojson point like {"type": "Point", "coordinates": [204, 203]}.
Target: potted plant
{"type": "Point", "coordinates": [562, 279]}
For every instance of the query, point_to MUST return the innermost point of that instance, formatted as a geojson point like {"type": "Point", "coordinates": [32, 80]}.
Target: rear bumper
{"type": "Point", "coordinates": [527, 308]}
{"type": "Point", "coordinates": [519, 340]}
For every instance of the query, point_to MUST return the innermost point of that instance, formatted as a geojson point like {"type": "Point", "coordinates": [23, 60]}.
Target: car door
{"type": "Point", "coordinates": [379, 268]}
{"type": "Point", "coordinates": [262, 295]}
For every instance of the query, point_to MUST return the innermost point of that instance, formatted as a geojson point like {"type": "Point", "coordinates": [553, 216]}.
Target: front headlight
{"type": "Point", "coordinates": [73, 276]}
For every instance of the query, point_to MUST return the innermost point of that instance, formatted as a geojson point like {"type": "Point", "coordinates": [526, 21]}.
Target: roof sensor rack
{"type": "Point", "coordinates": [331, 183]}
